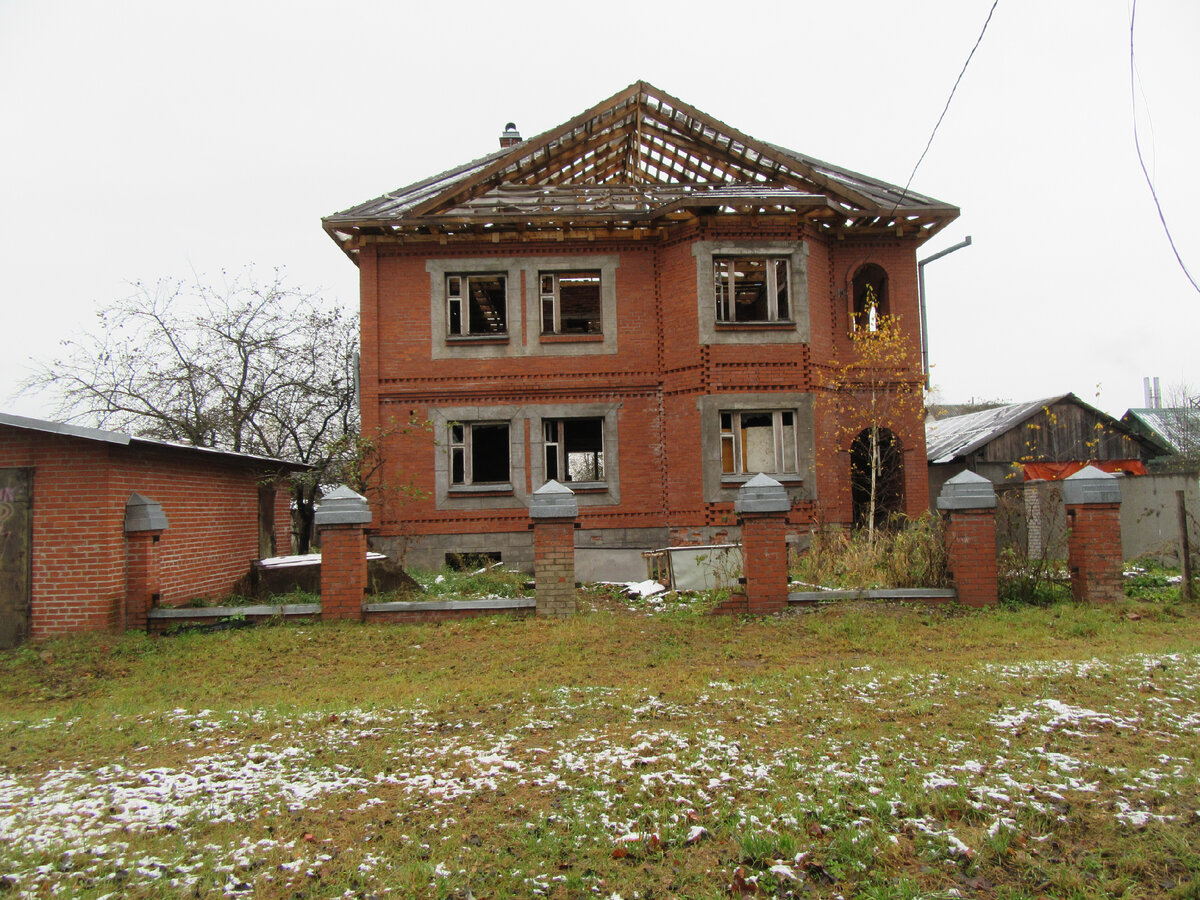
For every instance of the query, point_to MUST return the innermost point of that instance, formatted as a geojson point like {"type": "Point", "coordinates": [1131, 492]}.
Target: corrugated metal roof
{"type": "Point", "coordinates": [115, 437]}
{"type": "Point", "coordinates": [1175, 428]}
{"type": "Point", "coordinates": [957, 436]}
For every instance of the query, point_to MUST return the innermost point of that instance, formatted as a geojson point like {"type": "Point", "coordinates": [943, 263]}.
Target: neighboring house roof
{"type": "Point", "coordinates": [1176, 429]}
{"type": "Point", "coordinates": [640, 158]}
{"type": "Point", "coordinates": [116, 437]}
{"type": "Point", "coordinates": [957, 436]}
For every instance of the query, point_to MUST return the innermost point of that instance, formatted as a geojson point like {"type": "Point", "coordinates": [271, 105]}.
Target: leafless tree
{"type": "Point", "coordinates": [244, 365]}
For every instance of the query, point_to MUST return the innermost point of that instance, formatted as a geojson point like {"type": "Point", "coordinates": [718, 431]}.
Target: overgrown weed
{"type": "Point", "coordinates": [911, 553]}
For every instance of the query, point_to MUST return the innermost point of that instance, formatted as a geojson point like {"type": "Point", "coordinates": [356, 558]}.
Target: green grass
{"type": "Point", "coordinates": [856, 750]}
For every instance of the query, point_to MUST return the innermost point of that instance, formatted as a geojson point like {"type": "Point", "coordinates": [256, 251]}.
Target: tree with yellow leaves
{"type": "Point", "coordinates": [869, 397]}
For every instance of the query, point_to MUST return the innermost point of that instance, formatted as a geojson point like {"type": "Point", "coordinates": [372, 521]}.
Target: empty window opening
{"type": "Point", "coordinates": [751, 288]}
{"type": "Point", "coordinates": [758, 441]}
{"type": "Point", "coordinates": [479, 453]}
{"type": "Point", "coordinates": [574, 449]}
{"type": "Point", "coordinates": [476, 305]}
{"type": "Point", "coordinates": [570, 302]}
{"type": "Point", "coordinates": [870, 297]}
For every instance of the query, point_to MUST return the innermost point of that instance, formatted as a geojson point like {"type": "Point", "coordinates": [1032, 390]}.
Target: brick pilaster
{"type": "Point", "coordinates": [343, 571]}
{"type": "Point", "coordinates": [554, 566]}
{"type": "Point", "coordinates": [143, 578]}
{"type": "Point", "coordinates": [971, 547]}
{"type": "Point", "coordinates": [553, 512]}
{"type": "Point", "coordinates": [1094, 551]}
{"type": "Point", "coordinates": [764, 562]}
{"type": "Point", "coordinates": [1093, 502]}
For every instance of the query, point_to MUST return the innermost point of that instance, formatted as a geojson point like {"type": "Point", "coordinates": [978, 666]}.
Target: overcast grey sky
{"type": "Point", "coordinates": [161, 139]}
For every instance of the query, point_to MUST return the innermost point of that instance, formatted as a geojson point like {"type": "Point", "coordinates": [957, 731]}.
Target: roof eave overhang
{"type": "Point", "coordinates": [914, 222]}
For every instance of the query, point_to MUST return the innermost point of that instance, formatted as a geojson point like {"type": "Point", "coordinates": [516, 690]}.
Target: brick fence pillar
{"type": "Point", "coordinates": [145, 522]}
{"type": "Point", "coordinates": [554, 511]}
{"type": "Point", "coordinates": [970, 501]}
{"type": "Point", "coordinates": [1093, 502]}
{"type": "Point", "coordinates": [342, 518]}
{"type": "Point", "coordinates": [762, 507]}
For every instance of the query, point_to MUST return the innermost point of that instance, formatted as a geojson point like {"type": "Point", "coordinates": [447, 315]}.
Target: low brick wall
{"type": "Point", "coordinates": [412, 612]}
{"type": "Point", "coordinates": [160, 619]}
{"type": "Point", "coordinates": [401, 612]}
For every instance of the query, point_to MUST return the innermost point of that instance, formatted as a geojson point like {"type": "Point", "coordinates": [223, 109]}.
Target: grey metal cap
{"type": "Point", "coordinates": [343, 506]}
{"type": "Point", "coordinates": [144, 514]}
{"type": "Point", "coordinates": [762, 494]}
{"type": "Point", "coordinates": [967, 490]}
{"type": "Point", "coordinates": [553, 501]}
{"type": "Point", "coordinates": [1090, 485]}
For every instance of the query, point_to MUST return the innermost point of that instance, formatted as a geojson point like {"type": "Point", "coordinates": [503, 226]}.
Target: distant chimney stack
{"type": "Point", "coordinates": [511, 135]}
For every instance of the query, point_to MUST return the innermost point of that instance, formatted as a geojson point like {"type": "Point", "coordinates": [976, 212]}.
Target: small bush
{"type": "Point", "coordinates": [1032, 581]}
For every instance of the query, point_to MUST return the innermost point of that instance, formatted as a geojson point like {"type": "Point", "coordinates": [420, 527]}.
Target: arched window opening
{"type": "Point", "coordinates": [876, 477]}
{"type": "Point", "coordinates": [870, 297]}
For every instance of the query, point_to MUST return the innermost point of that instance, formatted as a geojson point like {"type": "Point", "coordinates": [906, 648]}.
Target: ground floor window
{"type": "Point", "coordinates": [479, 453]}
{"type": "Point", "coordinates": [754, 441]}
{"type": "Point", "coordinates": [574, 449]}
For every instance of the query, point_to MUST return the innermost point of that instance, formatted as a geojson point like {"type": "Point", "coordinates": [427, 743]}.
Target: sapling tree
{"type": "Point", "coordinates": [870, 396]}
{"type": "Point", "coordinates": [244, 365]}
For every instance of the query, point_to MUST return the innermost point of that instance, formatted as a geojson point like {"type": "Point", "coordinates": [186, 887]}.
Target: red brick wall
{"type": "Point", "coordinates": [79, 546]}
{"type": "Point", "coordinates": [343, 571]}
{"type": "Point", "coordinates": [971, 545]}
{"type": "Point", "coordinates": [1094, 552]}
{"type": "Point", "coordinates": [657, 375]}
{"type": "Point", "coordinates": [764, 561]}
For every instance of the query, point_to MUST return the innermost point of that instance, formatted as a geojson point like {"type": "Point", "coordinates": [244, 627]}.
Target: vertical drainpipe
{"type": "Point", "coordinates": [921, 295]}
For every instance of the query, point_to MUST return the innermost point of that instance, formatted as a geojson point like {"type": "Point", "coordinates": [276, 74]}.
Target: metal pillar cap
{"type": "Point", "coordinates": [553, 501]}
{"type": "Point", "coordinates": [342, 506]}
{"type": "Point", "coordinates": [144, 514]}
{"type": "Point", "coordinates": [967, 490]}
{"type": "Point", "coordinates": [1091, 485]}
{"type": "Point", "coordinates": [762, 494]}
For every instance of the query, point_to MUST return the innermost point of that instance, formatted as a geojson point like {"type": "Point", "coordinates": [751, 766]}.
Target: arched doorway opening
{"type": "Point", "coordinates": [876, 477]}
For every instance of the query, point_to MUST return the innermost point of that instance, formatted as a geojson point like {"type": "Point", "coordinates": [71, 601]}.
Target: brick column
{"type": "Point", "coordinates": [1093, 502]}
{"type": "Point", "coordinates": [554, 511]}
{"type": "Point", "coordinates": [762, 506]}
{"type": "Point", "coordinates": [970, 501]}
{"type": "Point", "coordinates": [342, 518]}
{"type": "Point", "coordinates": [145, 522]}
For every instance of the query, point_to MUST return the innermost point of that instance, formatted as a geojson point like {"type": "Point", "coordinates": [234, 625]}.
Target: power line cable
{"type": "Point", "coordinates": [929, 143]}
{"type": "Point", "coordinates": [1138, 145]}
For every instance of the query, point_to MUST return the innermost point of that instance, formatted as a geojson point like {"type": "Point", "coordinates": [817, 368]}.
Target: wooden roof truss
{"type": "Point", "coordinates": [639, 158]}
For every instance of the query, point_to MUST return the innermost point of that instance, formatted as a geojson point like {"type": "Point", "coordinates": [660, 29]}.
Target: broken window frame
{"type": "Point", "coordinates": [458, 304]}
{"type": "Point", "coordinates": [558, 453]}
{"type": "Point", "coordinates": [550, 305]}
{"type": "Point", "coordinates": [460, 446]}
{"type": "Point", "coordinates": [786, 457]}
{"type": "Point", "coordinates": [776, 285]}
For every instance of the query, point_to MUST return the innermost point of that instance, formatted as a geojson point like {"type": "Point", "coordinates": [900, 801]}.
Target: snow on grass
{"type": "Point", "coordinates": [635, 773]}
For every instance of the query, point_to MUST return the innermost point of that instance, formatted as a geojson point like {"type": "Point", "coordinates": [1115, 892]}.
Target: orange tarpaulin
{"type": "Point", "coordinates": [1056, 471]}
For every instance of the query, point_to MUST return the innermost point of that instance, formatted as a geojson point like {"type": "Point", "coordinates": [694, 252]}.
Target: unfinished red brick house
{"type": "Point", "coordinates": [82, 512]}
{"type": "Point", "coordinates": [640, 303]}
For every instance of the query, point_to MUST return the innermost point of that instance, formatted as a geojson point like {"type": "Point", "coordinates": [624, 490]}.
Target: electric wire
{"type": "Point", "coordinates": [1138, 145]}
{"type": "Point", "coordinates": [929, 143]}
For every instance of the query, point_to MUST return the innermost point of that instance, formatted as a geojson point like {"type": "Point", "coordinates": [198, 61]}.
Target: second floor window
{"type": "Point", "coordinates": [758, 441]}
{"type": "Point", "coordinates": [479, 453]}
{"type": "Point", "coordinates": [476, 305]}
{"type": "Point", "coordinates": [570, 302]}
{"type": "Point", "coordinates": [751, 288]}
{"type": "Point", "coordinates": [574, 449]}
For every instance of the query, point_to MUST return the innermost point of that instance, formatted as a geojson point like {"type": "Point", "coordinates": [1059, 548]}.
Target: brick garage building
{"type": "Point", "coordinates": [641, 303]}
{"type": "Point", "coordinates": [63, 543]}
